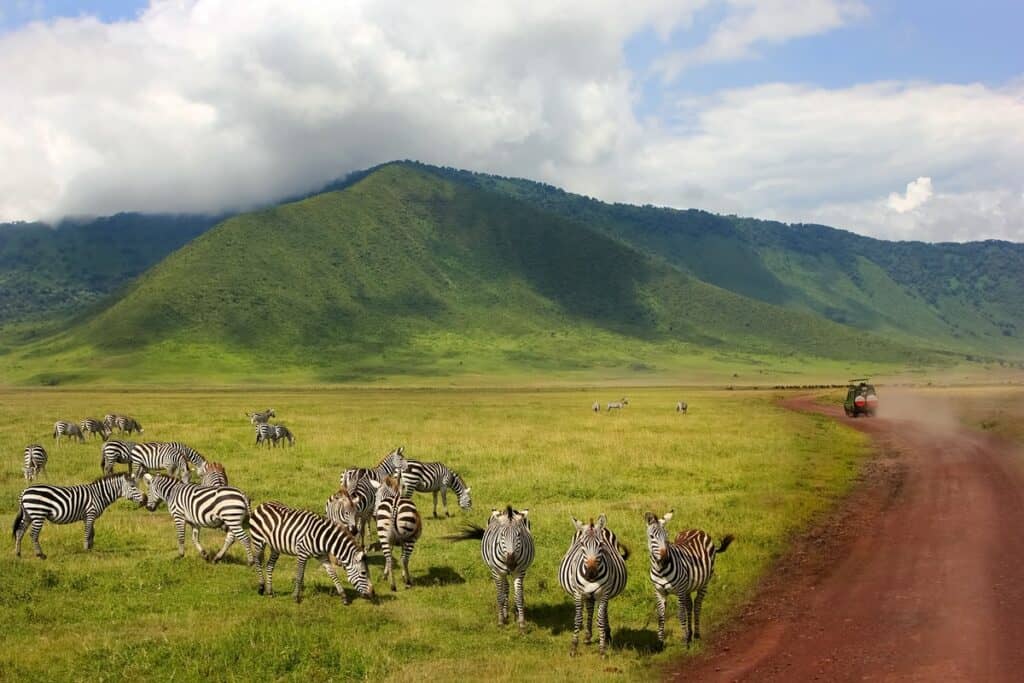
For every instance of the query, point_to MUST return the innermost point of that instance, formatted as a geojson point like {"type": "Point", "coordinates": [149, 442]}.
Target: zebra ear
{"type": "Point", "coordinates": [601, 521]}
{"type": "Point", "coordinates": [524, 512]}
{"type": "Point", "coordinates": [578, 524]}
{"type": "Point", "coordinates": [359, 556]}
{"type": "Point", "coordinates": [668, 516]}
{"type": "Point", "coordinates": [374, 483]}
{"type": "Point", "coordinates": [401, 450]}
{"type": "Point", "coordinates": [650, 518]}
{"type": "Point", "coordinates": [467, 489]}
{"type": "Point", "coordinates": [148, 477]}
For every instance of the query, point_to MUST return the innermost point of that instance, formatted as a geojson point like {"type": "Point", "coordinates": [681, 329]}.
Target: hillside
{"type": "Point", "coordinates": [407, 273]}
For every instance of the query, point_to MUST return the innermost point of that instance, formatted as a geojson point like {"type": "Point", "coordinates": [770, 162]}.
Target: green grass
{"type": "Point", "coordinates": [737, 464]}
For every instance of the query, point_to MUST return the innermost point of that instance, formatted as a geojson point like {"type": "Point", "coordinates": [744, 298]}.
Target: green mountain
{"type": "Point", "coordinates": [411, 272]}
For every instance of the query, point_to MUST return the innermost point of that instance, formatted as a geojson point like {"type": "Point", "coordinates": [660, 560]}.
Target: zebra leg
{"type": "Point", "coordinates": [257, 559]}
{"type": "Point", "coordinates": [501, 586]}
{"type": "Point", "coordinates": [37, 527]}
{"type": "Point", "coordinates": [229, 538]}
{"type": "Point", "coordinates": [239, 534]}
{"type": "Point", "coordinates": [179, 528]}
{"type": "Point", "coordinates": [389, 569]}
{"type": "Point", "coordinates": [685, 616]}
{"type": "Point", "coordinates": [300, 575]}
{"type": "Point", "coordinates": [90, 530]}
{"type": "Point", "coordinates": [195, 539]}
{"type": "Point", "coordinates": [520, 606]}
{"type": "Point", "coordinates": [329, 568]}
{"type": "Point", "coordinates": [697, 603]}
{"type": "Point", "coordinates": [661, 615]}
{"type": "Point", "coordinates": [407, 549]}
{"type": "Point", "coordinates": [435, 504]}
{"type": "Point", "coordinates": [444, 500]}
{"type": "Point", "coordinates": [576, 624]}
{"type": "Point", "coordinates": [589, 635]}
{"type": "Point", "coordinates": [603, 626]}
{"type": "Point", "coordinates": [274, 554]}
{"type": "Point", "coordinates": [19, 533]}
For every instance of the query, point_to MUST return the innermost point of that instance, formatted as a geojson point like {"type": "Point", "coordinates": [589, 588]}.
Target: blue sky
{"type": "Point", "coordinates": [898, 119]}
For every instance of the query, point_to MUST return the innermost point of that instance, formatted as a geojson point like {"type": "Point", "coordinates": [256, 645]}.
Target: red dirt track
{"type": "Point", "coordinates": [919, 576]}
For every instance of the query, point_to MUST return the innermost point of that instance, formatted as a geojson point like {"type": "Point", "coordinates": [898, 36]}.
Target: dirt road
{"type": "Point", "coordinates": [918, 577]}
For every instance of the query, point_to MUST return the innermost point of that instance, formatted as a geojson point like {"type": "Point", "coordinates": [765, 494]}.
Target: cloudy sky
{"type": "Point", "coordinates": [897, 119]}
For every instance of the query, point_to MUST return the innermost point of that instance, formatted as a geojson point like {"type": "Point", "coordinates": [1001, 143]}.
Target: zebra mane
{"type": "Point", "coordinates": [115, 475]}
{"type": "Point", "coordinates": [510, 512]}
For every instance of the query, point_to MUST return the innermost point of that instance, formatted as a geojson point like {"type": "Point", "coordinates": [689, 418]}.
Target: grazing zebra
{"type": "Point", "coordinates": [68, 429]}
{"type": "Point", "coordinates": [398, 523]}
{"type": "Point", "coordinates": [306, 535]}
{"type": "Point", "coordinates": [264, 434]}
{"type": "Point", "coordinates": [116, 451]}
{"type": "Point", "coordinates": [67, 504]}
{"type": "Point", "coordinates": [157, 455]}
{"type": "Point", "coordinates": [126, 424]}
{"type": "Point", "coordinates": [202, 507]}
{"type": "Point", "coordinates": [681, 407]}
{"type": "Point", "coordinates": [353, 510]}
{"type": "Point", "coordinates": [190, 454]}
{"type": "Point", "coordinates": [682, 567]}
{"type": "Point", "coordinates": [261, 418]}
{"type": "Point", "coordinates": [282, 432]}
{"type": "Point", "coordinates": [596, 407]}
{"type": "Point", "coordinates": [35, 461]}
{"type": "Point", "coordinates": [92, 426]}
{"type": "Point", "coordinates": [618, 405]}
{"type": "Point", "coordinates": [212, 474]}
{"type": "Point", "coordinates": [593, 571]}
{"type": "Point", "coordinates": [507, 549]}
{"type": "Point", "coordinates": [434, 477]}
{"type": "Point", "coordinates": [391, 464]}
{"type": "Point", "coordinates": [109, 419]}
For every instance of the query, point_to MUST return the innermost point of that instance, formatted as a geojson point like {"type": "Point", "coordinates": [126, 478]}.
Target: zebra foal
{"type": "Point", "coordinates": [682, 568]}
{"type": "Point", "coordinates": [35, 461]}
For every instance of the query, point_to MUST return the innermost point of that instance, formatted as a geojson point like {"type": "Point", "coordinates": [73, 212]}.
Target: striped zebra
{"type": "Point", "coordinates": [507, 549]}
{"type": "Point", "coordinates": [391, 464]}
{"type": "Point", "coordinates": [398, 523]}
{"type": "Point", "coordinates": [202, 507]}
{"type": "Point", "coordinates": [92, 427]}
{"type": "Point", "coordinates": [617, 405]}
{"type": "Point", "coordinates": [116, 451]}
{"type": "Point", "coordinates": [306, 535]}
{"type": "Point", "coordinates": [596, 407]}
{"type": "Point", "coordinates": [68, 429]}
{"type": "Point", "coordinates": [265, 434]}
{"type": "Point", "coordinates": [261, 418]}
{"type": "Point", "coordinates": [683, 567]}
{"type": "Point", "coordinates": [593, 572]}
{"type": "Point", "coordinates": [126, 424]}
{"type": "Point", "coordinates": [109, 420]}
{"type": "Point", "coordinates": [194, 458]}
{"type": "Point", "coordinates": [353, 510]}
{"type": "Point", "coordinates": [681, 407]}
{"type": "Point", "coordinates": [435, 477]}
{"type": "Point", "coordinates": [67, 504]}
{"type": "Point", "coordinates": [212, 474]}
{"type": "Point", "coordinates": [282, 432]}
{"type": "Point", "coordinates": [158, 455]}
{"type": "Point", "coordinates": [35, 461]}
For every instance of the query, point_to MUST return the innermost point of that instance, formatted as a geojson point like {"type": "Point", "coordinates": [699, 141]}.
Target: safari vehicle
{"type": "Point", "coordinates": [861, 398]}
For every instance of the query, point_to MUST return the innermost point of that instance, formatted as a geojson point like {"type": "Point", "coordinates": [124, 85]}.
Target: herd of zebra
{"type": "Point", "coordinates": [592, 571]}
{"type": "Point", "coordinates": [681, 406]}
{"type": "Point", "coordinates": [268, 434]}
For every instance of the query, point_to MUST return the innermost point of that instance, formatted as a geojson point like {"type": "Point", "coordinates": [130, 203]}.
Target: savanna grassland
{"type": "Point", "coordinates": [736, 464]}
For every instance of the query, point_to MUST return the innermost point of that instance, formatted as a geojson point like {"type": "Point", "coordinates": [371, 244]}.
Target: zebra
{"type": "Point", "coordinates": [398, 523]}
{"type": "Point", "coordinates": [306, 535]}
{"type": "Point", "coordinates": [194, 458]}
{"type": "Point", "coordinates": [617, 405]}
{"type": "Point", "coordinates": [681, 407]}
{"type": "Point", "coordinates": [93, 426]}
{"type": "Point", "coordinates": [127, 424]}
{"type": "Point", "coordinates": [67, 504]}
{"type": "Point", "coordinates": [212, 474]}
{"type": "Point", "coordinates": [265, 434]}
{"type": "Point", "coordinates": [593, 571]}
{"type": "Point", "coordinates": [507, 549]}
{"type": "Point", "coordinates": [109, 420]}
{"type": "Point", "coordinates": [116, 451]}
{"type": "Point", "coordinates": [596, 407]}
{"type": "Point", "coordinates": [682, 567]}
{"type": "Point", "coordinates": [282, 432]}
{"type": "Point", "coordinates": [157, 455]}
{"type": "Point", "coordinates": [391, 464]}
{"type": "Point", "coordinates": [353, 510]}
{"type": "Point", "coordinates": [202, 507]}
{"type": "Point", "coordinates": [434, 477]}
{"type": "Point", "coordinates": [35, 461]}
{"type": "Point", "coordinates": [68, 429]}
{"type": "Point", "coordinates": [261, 418]}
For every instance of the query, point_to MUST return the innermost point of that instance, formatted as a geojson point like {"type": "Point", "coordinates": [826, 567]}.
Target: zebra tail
{"type": "Point", "coordinates": [17, 521]}
{"type": "Point", "coordinates": [468, 532]}
{"type": "Point", "coordinates": [726, 541]}
{"type": "Point", "coordinates": [623, 550]}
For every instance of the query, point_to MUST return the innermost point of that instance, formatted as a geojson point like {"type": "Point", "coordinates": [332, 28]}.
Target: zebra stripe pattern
{"type": "Point", "coordinates": [92, 427]}
{"type": "Point", "coordinates": [683, 567]}
{"type": "Point", "coordinates": [68, 429]}
{"type": "Point", "coordinates": [391, 464]}
{"type": "Point", "coordinates": [265, 434]}
{"type": "Point", "coordinates": [202, 507]}
{"type": "Point", "coordinates": [126, 424]}
{"type": "Point", "coordinates": [157, 455]}
{"type": "Point", "coordinates": [593, 572]}
{"type": "Point", "coordinates": [116, 451]}
{"type": "Point", "coordinates": [35, 461]}
{"type": "Point", "coordinates": [68, 504]}
{"type": "Point", "coordinates": [282, 432]}
{"type": "Point", "coordinates": [353, 510]}
{"type": "Point", "coordinates": [306, 535]}
{"type": "Point", "coordinates": [435, 477]}
{"type": "Point", "coordinates": [212, 474]}
{"type": "Point", "coordinates": [261, 418]}
{"type": "Point", "coordinates": [618, 405]}
{"type": "Point", "coordinates": [398, 524]}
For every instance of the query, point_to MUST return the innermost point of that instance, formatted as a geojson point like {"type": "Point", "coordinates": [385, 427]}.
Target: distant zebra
{"type": "Point", "coordinates": [109, 419]}
{"type": "Point", "coordinates": [618, 405]}
{"type": "Point", "coordinates": [264, 434]}
{"type": "Point", "coordinates": [35, 461]}
{"type": "Point", "coordinates": [261, 418]}
{"type": "Point", "coordinates": [507, 549]}
{"type": "Point", "coordinates": [353, 510]}
{"type": "Point", "coordinates": [593, 571]}
{"type": "Point", "coordinates": [682, 568]}
{"type": "Point", "coordinates": [67, 504]}
{"type": "Point", "coordinates": [92, 426]}
{"type": "Point", "coordinates": [681, 407]}
{"type": "Point", "coordinates": [68, 429]}
{"type": "Point", "coordinates": [203, 507]}
{"type": "Point", "coordinates": [282, 432]}
{"type": "Point", "coordinates": [306, 535]}
{"type": "Point", "coordinates": [434, 477]}
{"type": "Point", "coordinates": [391, 464]}
{"type": "Point", "coordinates": [116, 451]}
{"type": "Point", "coordinates": [398, 523]}
{"type": "Point", "coordinates": [596, 407]}
{"type": "Point", "coordinates": [212, 474]}
{"type": "Point", "coordinates": [158, 455]}
{"type": "Point", "coordinates": [126, 424]}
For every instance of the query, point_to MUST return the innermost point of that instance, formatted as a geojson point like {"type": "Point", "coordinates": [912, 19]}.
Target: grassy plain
{"type": "Point", "coordinates": [736, 464]}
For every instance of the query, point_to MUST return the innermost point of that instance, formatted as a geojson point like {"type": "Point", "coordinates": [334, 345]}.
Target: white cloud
{"type": "Point", "coordinates": [201, 105]}
{"type": "Point", "coordinates": [918, 192]}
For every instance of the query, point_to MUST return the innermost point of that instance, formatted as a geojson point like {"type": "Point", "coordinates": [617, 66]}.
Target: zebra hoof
{"type": "Point", "coordinates": [573, 651]}
{"type": "Point", "coordinates": [260, 590]}
{"type": "Point", "coordinates": [696, 636]}
{"type": "Point", "coordinates": [298, 599]}
{"type": "Point", "coordinates": [41, 556]}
